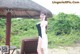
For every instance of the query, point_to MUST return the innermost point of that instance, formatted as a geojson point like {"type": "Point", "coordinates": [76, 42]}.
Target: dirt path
{"type": "Point", "coordinates": [62, 50]}
{"type": "Point", "coordinates": [65, 50]}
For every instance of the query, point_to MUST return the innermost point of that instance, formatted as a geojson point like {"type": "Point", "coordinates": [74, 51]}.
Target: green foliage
{"type": "Point", "coordinates": [63, 30]}
{"type": "Point", "coordinates": [2, 31]}
{"type": "Point", "coordinates": [65, 40]}
{"type": "Point", "coordinates": [2, 22]}
{"type": "Point", "coordinates": [64, 23]}
{"type": "Point", "coordinates": [21, 25]}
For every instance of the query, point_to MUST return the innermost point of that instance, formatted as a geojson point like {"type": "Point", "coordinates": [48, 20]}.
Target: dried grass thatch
{"type": "Point", "coordinates": [22, 8]}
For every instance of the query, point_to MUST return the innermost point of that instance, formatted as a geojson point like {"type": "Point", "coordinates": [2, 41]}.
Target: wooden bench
{"type": "Point", "coordinates": [29, 46]}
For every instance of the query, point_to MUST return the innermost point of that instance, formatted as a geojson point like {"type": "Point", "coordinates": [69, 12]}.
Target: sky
{"type": "Point", "coordinates": [68, 8]}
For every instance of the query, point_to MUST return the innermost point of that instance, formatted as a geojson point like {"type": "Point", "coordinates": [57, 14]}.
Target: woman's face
{"type": "Point", "coordinates": [42, 16]}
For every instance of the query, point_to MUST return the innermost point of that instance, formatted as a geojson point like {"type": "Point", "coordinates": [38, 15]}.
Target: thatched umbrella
{"type": "Point", "coordinates": [19, 8]}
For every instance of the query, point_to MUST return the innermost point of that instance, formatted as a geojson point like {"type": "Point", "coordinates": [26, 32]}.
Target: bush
{"type": "Point", "coordinates": [64, 23]}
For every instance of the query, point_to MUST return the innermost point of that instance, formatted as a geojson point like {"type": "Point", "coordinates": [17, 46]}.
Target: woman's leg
{"type": "Point", "coordinates": [39, 45]}
{"type": "Point", "coordinates": [44, 50]}
{"type": "Point", "coordinates": [45, 45]}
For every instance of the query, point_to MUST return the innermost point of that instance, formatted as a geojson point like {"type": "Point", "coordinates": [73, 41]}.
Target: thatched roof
{"type": "Point", "coordinates": [22, 8]}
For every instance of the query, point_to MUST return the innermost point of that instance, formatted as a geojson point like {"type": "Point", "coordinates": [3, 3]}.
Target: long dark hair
{"type": "Point", "coordinates": [44, 12]}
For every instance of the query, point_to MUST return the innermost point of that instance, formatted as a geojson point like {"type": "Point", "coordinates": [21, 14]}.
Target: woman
{"type": "Point", "coordinates": [42, 47]}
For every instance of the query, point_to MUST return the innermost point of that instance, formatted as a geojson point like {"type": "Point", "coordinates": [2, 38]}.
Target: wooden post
{"type": "Point", "coordinates": [8, 30]}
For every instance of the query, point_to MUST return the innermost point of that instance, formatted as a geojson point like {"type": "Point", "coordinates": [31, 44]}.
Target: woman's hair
{"type": "Point", "coordinates": [43, 12]}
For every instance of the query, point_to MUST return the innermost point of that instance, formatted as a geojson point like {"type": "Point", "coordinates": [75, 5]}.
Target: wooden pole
{"type": "Point", "coordinates": [8, 30]}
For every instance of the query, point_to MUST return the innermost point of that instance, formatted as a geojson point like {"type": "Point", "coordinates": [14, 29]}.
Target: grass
{"type": "Point", "coordinates": [53, 40]}
{"type": "Point", "coordinates": [63, 40]}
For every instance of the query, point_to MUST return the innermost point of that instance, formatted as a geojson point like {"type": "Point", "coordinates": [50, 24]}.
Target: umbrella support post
{"type": "Point", "coordinates": [8, 30]}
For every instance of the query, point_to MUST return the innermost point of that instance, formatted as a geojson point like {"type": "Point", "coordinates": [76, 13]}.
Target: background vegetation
{"type": "Point", "coordinates": [63, 30]}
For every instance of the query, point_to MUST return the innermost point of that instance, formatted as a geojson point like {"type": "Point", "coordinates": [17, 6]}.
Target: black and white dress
{"type": "Point", "coordinates": [41, 27]}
